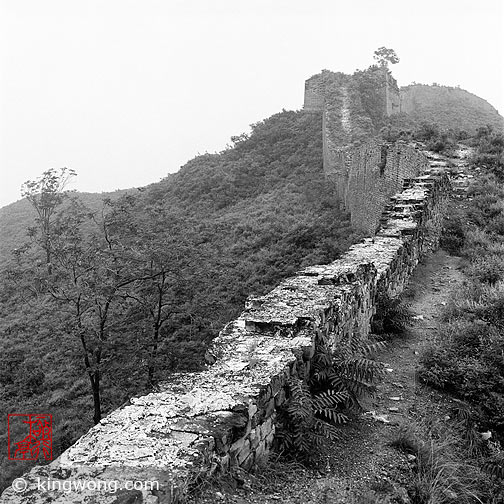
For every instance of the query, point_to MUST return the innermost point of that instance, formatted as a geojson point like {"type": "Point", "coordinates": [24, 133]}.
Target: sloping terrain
{"type": "Point", "coordinates": [448, 107]}
{"type": "Point", "coordinates": [17, 217]}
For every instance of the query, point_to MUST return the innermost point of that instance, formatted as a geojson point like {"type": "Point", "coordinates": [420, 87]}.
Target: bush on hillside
{"type": "Point", "coordinates": [490, 153]}
{"type": "Point", "coordinates": [467, 362]}
{"type": "Point", "coordinates": [254, 214]}
{"type": "Point", "coordinates": [488, 268]}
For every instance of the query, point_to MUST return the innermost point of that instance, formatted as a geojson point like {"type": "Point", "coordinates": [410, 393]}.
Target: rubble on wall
{"type": "Point", "coordinates": [224, 417]}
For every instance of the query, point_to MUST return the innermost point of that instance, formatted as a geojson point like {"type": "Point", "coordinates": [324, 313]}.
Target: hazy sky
{"type": "Point", "coordinates": [126, 91]}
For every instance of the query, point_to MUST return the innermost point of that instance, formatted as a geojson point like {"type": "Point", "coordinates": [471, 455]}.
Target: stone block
{"type": "Point", "coordinates": [243, 453]}
{"type": "Point", "coordinates": [261, 454]}
{"type": "Point", "coordinates": [239, 445]}
{"type": "Point", "coordinates": [252, 410]}
{"type": "Point", "coordinates": [254, 438]}
{"type": "Point", "coordinates": [266, 427]}
{"type": "Point", "coordinates": [276, 384]}
{"type": "Point", "coordinates": [270, 437]}
{"type": "Point", "coordinates": [248, 462]}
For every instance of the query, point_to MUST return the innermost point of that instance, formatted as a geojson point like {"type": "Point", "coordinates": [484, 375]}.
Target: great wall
{"type": "Point", "coordinates": [225, 417]}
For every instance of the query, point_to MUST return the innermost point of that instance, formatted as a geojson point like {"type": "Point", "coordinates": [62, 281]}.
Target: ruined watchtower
{"type": "Point", "coordinates": [366, 170]}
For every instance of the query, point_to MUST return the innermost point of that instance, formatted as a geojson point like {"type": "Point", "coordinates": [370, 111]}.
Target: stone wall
{"type": "Point", "coordinates": [320, 88]}
{"type": "Point", "coordinates": [368, 175]}
{"type": "Point", "coordinates": [224, 418]}
{"type": "Point", "coordinates": [374, 172]}
{"type": "Point", "coordinates": [313, 96]}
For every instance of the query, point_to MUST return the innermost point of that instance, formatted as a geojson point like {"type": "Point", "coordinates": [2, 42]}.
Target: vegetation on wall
{"type": "Point", "coordinates": [385, 56]}
{"type": "Point", "coordinates": [370, 84]}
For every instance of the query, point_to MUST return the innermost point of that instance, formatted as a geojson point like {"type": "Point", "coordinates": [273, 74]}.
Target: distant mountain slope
{"type": "Point", "coordinates": [449, 107]}
{"type": "Point", "coordinates": [14, 219]}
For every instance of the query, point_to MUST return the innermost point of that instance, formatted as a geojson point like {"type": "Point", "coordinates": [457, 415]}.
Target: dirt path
{"type": "Point", "coordinates": [363, 458]}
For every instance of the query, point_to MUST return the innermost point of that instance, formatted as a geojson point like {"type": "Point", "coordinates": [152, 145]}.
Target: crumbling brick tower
{"type": "Point", "coordinates": [365, 170]}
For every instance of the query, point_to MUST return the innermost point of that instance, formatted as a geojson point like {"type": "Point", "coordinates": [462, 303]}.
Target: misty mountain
{"type": "Point", "coordinates": [448, 107]}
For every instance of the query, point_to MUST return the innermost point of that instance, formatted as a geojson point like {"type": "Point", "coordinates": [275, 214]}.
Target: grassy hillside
{"type": "Point", "coordinates": [449, 107]}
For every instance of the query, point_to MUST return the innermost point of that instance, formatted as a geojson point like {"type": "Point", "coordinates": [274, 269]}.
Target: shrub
{"type": "Point", "coordinates": [476, 243]}
{"type": "Point", "coordinates": [436, 140]}
{"type": "Point", "coordinates": [391, 134]}
{"type": "Point", "coordinates": [440, 144]}
{"type": "Point", "coordinates": [467, 361]}
{"type": "Point", "coordinates": [440, 368]}
{"type": "Point", "coordinates": [487, 268]}
{"type": "Point", "coordinates": [496, 225]}
{"type": "Point", "coordinates": [318, 403]}
{"type": "Point", "coordinates": [490, 152]}
{"type": "Point", "coordinates": [491, 309]}
{"type": "Point", "coordinates": [427, 132]}
{"type": "Point", "coordinates": [311, 418]}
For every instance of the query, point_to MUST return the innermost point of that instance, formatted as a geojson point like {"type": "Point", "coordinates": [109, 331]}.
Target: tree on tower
{"type": "Point", "coordinates": [383, 56]}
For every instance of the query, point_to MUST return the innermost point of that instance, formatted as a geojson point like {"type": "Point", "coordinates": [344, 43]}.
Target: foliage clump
{"type": "Point", "coordinates": [321, 401]}
{"type": "Point", "coordinates": [490, 151]}
{"type": "Point", "coordinates": [442, 470]}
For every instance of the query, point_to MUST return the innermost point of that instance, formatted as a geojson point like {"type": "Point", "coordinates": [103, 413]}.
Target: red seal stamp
{"type": "Point", "coordinates": [29, 436]}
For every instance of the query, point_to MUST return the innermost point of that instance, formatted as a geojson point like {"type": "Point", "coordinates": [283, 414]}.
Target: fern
{"type": "Point", "coordinates": [317, 403]}
{"type": "Point", "coordinates": [310, 418]}
{"type": "Point", "coordinates": [348, 370]}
